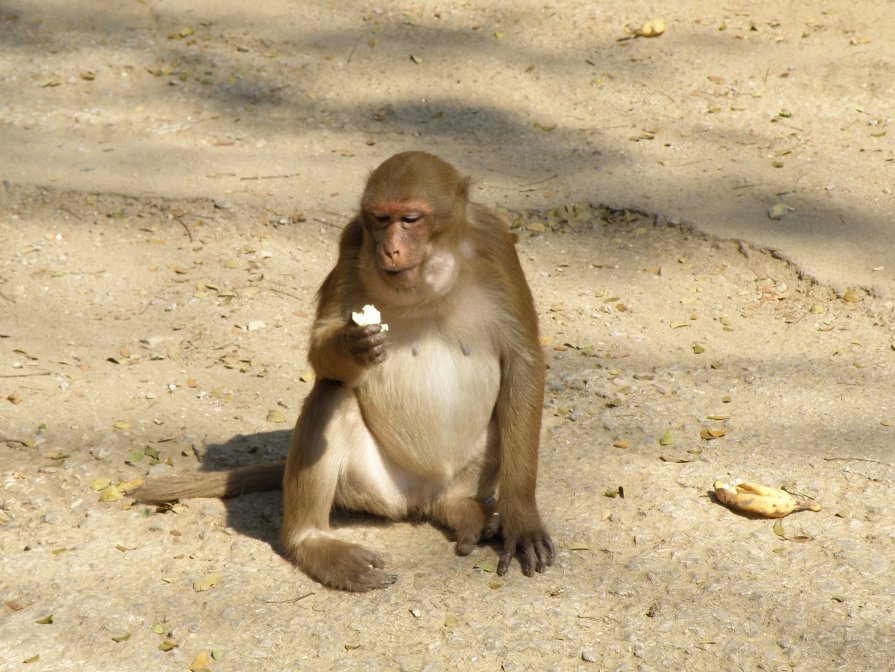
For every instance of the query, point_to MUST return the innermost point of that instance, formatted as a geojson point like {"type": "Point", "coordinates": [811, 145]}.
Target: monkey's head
{"type": "Point", "coordinates": [413, 211]}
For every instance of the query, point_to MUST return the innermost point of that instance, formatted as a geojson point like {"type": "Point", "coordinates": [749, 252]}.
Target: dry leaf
{"type": "Point", "coordinates": [578, 546]}
{"type": "Point", "coordinates": [127, 486]}
{"type": "Point", "coordinates": [206, 582]}
{"type": "Point", "coordinates": [275, 416]}
{"type": "Point", "coordinates": [676, 459]}
{"type": "Point", "coordinates": [652, 28]}
{"type": "Point", "coordinates": [135, 457]}
{"type": "Point", "coordinates": [121, 424]}
{"type": "Point", "coordinates": [200, 662]}
{"type": "Point", "coordinates": [110, 494]}
{"type": "Point", "coordinates": [174, 351]}
{"type": "Point", "coordinates": [485, 566]}
{"type": "Point", "coordinates": [778, 528]}
{"type": "Point", "coordinates": [666, 439]}
{"type": "Point", "coordinates": [122, 638]}
{"type": "Point", "coordinates": [779, 211]}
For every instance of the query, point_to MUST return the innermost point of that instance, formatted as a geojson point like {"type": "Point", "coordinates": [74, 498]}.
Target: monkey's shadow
{"type": "Point", "coordinates": [259, 515]}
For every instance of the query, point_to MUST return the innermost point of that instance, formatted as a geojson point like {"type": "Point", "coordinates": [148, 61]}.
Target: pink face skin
{"type": "Point", "coordinates": [401, 232]}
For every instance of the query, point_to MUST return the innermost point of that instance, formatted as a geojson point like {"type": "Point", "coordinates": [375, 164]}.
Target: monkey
{"type": "Point", "coordinates": [439, 417]}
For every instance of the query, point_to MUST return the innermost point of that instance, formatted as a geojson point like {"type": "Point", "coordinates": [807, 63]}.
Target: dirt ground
{"type": "Point", "coordinates": [174, 179]}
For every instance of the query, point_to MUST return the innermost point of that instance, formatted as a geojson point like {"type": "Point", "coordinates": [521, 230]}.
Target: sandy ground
{"type": "Point", "coordinates": [173, 184]}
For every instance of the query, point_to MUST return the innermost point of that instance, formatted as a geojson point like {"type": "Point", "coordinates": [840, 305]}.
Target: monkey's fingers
{"type": "Point", "coordinates": [367, 343]}
{"type": "Point", "coordinates": [527, 558]}
{"type": "Point", "coordinates": [546, 552]}
{"type": "Point", "coordinates": [536, 553]}
{"type": "Point", "coordinates": [506, 556]}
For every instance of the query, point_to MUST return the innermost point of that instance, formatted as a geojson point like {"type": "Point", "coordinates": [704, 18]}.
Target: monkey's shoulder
{"type": "Point", "coordinates": [484, 220]}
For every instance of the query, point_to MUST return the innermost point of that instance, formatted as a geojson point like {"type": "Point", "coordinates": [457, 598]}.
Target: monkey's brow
{"type": "Point", "coordinates": [401, 206]}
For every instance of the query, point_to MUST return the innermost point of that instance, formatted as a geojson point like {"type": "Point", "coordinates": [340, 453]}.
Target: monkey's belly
{"type": "Point", "coordinates": [429, 405]}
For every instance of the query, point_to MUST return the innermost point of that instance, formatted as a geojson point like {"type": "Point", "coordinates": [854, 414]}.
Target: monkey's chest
{"type": "Point", "coordinates": [429, 404]}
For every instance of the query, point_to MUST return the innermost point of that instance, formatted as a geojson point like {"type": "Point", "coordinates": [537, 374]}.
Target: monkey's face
{"type": "Point", "coordinates": [401, 233]}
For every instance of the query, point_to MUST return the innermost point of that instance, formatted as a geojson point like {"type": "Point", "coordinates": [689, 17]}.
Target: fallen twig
{"type": "Point", "coordinates": [856, 459]}
{"type": "Point", "coordinates": [270, 177]}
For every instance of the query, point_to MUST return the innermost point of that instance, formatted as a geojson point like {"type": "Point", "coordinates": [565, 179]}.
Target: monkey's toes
{"type": "Point", "coordinates": [361, 570]}
{"type": "Point", "coordinates": [375, 579]}
{"type": "Point", "coordinates": [492, 527]}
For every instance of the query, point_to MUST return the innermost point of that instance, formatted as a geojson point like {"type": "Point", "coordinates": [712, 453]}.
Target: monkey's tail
{"type": "Point", "coordinates": [221, 484]}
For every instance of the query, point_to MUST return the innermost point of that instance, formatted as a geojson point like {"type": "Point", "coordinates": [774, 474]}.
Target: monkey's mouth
{"type": "Point", "coordinates": [398, 272]}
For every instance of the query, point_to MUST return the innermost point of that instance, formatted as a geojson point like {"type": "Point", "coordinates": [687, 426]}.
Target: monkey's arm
{"type": "Point", "coordinates": [518, 410]}
{"type": "Point", "coordinates": [341, 350]}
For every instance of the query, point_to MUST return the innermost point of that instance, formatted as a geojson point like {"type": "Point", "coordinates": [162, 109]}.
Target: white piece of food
{"type": "Point", "coordinates": [368, 315]}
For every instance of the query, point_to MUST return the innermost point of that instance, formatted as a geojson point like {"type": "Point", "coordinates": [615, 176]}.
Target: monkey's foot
{"type": "Point", "coordinates": [535, 550]}
{"type": "Point", "coordinates": [471, 521]}
{"type": "Point", "coordinates": [342, 565]}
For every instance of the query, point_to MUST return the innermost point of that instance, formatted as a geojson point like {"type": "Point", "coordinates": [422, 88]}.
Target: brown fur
{"type": "Point", "coordinates": [434, 416]}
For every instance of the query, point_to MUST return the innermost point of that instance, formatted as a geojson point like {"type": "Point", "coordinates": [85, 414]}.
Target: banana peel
{"type": "Point", "coordinates": [761, 500]}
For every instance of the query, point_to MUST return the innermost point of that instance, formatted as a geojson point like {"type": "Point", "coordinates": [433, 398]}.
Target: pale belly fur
{"type": "Point", "coordinates": [429, 404]}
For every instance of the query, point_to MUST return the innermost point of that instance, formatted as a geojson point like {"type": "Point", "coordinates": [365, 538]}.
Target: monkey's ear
{"type": "Point", "coordinates": [463, 187]}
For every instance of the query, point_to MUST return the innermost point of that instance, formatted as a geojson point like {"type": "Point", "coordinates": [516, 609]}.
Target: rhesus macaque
{"type": "Point", "coordinates": [439, 416]}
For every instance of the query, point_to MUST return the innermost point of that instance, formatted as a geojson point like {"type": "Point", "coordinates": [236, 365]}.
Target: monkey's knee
{"type": "Point", "coordinates": [339, 564]}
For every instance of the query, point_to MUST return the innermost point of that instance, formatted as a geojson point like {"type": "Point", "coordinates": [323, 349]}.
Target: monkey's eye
{"type": "Point", "coordinates": [382, 218]}
{"type": "Point", "coordinates": [411, 218]}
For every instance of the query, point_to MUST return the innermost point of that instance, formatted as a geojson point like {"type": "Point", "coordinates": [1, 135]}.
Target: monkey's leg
{"type": "Point", "coordinates": [467, 507]}
{"type": "Point", "coordinates": [329, 436]}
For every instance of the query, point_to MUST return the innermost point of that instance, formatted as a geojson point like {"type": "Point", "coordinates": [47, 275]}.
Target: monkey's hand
{"type": "Point", "coordinates": [366, 343]}
{"type": "Point", "coordinates": [534, 547]}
